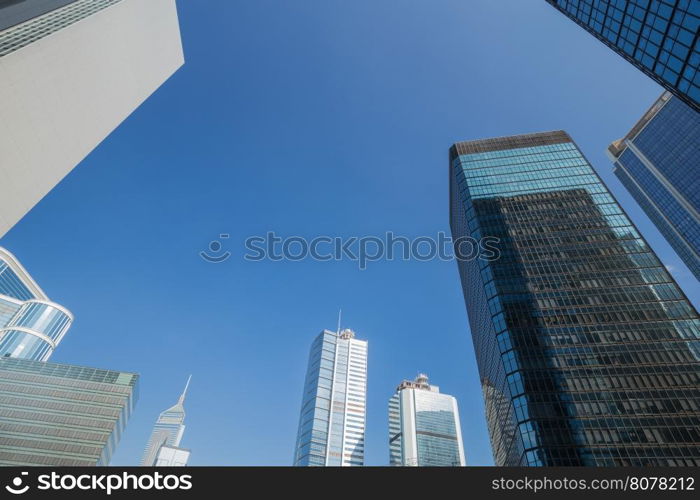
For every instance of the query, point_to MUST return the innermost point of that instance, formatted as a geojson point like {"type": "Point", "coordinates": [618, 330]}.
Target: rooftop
{"type": "Point", "coordinates": [617, 147]}
{"type": "Point", "coordinates": [511, 142]}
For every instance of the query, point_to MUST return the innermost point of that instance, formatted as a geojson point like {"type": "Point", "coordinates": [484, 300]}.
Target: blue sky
{"type": "Point", "coordinates": [307, 117]}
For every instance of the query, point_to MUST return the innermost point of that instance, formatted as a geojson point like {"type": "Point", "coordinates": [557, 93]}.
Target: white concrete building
{"type": "Point", "coordinates": [70, 72]}
{"type": "Point", "coordinates": [170, 456]}
{"type": "Point", "coordinates": [164, 443]}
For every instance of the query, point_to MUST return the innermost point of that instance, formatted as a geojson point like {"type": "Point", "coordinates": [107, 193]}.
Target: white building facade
{"type": "Point", "coordinates": [70, 73]}
{"type": "Point", "coordinates": [333, 413]}
{"type": "Point", "coordinates": [424, 427]}
{"type": "Point", "coordinates": [163, 447]}
{"type": "Point", "coordinates": [170, 456]}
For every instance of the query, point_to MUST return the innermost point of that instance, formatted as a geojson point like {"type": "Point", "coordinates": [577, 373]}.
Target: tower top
{"type": "Point", "coordinates": [347, 334]}
{"type": "Point", "coordinates": [422, 379]}
{"type": "Point", "coordinates": [420, 382]}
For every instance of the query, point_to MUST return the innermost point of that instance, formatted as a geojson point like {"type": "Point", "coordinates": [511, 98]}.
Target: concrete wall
{"type": "Point", "coordinates": [65, 93]}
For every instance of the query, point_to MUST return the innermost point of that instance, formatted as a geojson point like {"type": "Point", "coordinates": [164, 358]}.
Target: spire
{"type": "Point", "coordinates": [184, 393]}
{"type": "Point", "coordinates": [340, 315]}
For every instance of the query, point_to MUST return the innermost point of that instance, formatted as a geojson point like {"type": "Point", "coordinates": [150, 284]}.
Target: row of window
{"type": "Point", "coordinates": [23, 34]}
{"type": "Point", "coordinates": [518, 152]}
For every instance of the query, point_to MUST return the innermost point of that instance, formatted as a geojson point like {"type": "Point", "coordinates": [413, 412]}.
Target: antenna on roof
{"type": "Point", "coordinates": [340, 315]}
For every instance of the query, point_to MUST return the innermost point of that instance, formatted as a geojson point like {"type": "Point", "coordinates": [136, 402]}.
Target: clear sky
{"type": "Point", "coordinates": [308, 117]}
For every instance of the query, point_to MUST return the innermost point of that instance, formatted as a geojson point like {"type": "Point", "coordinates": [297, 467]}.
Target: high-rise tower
{"type": "Point", "coordinates": [659, 37]}
{"type": "Point", "coordinates": [658, 161]}
{"type": "Point", "coordinates": [424, 428]}
{"type": "Point", "coordinates": [57, 415]}
{"type": "Point", "coordinates": [332, 420]}
{"type": "Point", "coordinates": [588, 351]}
{"type": "Point", "coordinates": [163, 448]}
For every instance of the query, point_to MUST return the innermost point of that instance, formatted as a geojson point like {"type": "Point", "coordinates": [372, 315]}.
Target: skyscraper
{"type": "Point", "coordinates": [658, 161]}
{"type": "Point", "coordinates": [424, 428]}
{"type": "Point", "coordinates": [332, 421]}
{"type": "Point", "coordinates": [588, 351]}
{"type": "Point", "coordinates": [163, 448]}
{"type": "Point", "coordinates": [52, 414]}
{"type": "Point", "coordinates": [70, 72]}
{"type": "Point", "coordinates": [31, 326]}
{"type": "Point", "coordinates": [61, 415]}
{"type": "Point", "coordinates": [660, 37]}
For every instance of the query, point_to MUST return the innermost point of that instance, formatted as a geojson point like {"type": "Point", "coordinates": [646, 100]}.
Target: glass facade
{"type": "Point", "coordinates": [60, 415]}
{"type": "Point", "coordinates": [30, 325]}
{"type": "Point", "coordinates": [659, 164]}
{"type": "Point", "coordinates": [11, 284]}
{"type": "Point", "coordinates": [332, 420]}
{"type": "Point", "coordinates": [660, 37]}
{"type": "Point", "coordinates": [588, 351]}
{"type": "Point", "coordinates": [26, 21]}
{"type": "Point", "coordinates": [424, 427]}
{"type": "Point", "coordinates": [167, 434]}
{"type": "Point", "coordinates": [13, 12]}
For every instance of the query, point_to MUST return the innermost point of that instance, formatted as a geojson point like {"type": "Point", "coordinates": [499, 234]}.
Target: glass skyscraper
{"type": "Point", "coordinates": [659, 164]}
{"type": "Point", "coordinates": [588, 351]}
{"type": "Point", "coordinates": [332, 421]}
{"type": "Point", "coordinates": [60, 415]}
{"type": "Point", "coordinates": [424, 428]}
{"type": "Point", "coordinates": [52, 414]}
{"type": "Point", "coordinates": [660, 37]}
{"type": "Point", "coordinates": [163, 446]}
{"type": "Point", "coordinates": [31, 326]}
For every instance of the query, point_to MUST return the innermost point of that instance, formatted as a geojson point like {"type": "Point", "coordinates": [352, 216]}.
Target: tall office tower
{"type": "Point", "coordinates": [660, 37]}
{"type": "Point", "coordinates": [31, 326]}
{"type": "Point", "coordinates": [658, 161]}
{"type": "Point", "coordinates": [61, 415]}
{"type": "Point", "coordinates": [163, 448]}
{"type": "Point", "coordinates": [332, 420]}
{"type": "Point", "coordinates": [70, 72]}
{"type": "Point", "coordinates": [588, 351]}
{"type": "Point", "coordinates": [424, 428]}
